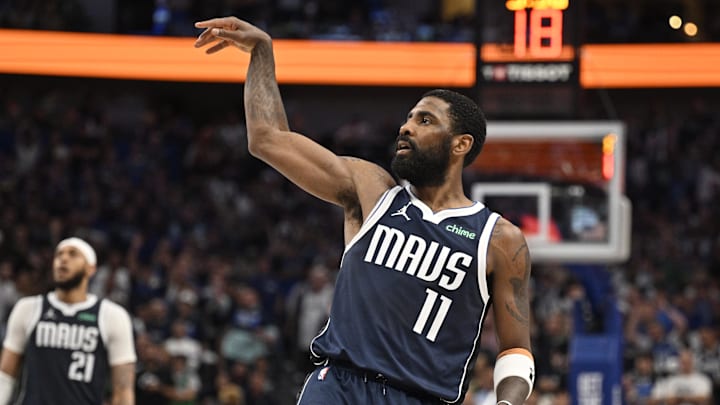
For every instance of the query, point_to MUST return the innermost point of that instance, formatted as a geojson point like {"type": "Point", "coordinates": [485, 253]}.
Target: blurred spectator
{"type": "Point", "coordinates": [259, 390]}
{"type": "Point", "coordinates": [685, 387]}
{"type": "Point", "coordinates": [638, 382]}
{"type": "Point", "coordinates": [705, 345]}
{"type": "Point", "coordinates": [112, 280]}
{"type": "Point", "coordinates": [153, 321]}
{"type": "Point", "coordinates": [218, 304]}
{"type": "Point", "coordinates": [185, 385]}
{"type": "Point", "coordinates": [153, 372]}
{"type": "Point", "coordinates": [249, 338]}
{"type": "Point", "coordinates": [229, 393]}
{"type": "Point", "coordinates": [551, 353]}
{"type": "Point", "coordinates": [180, 344]}
{"type": "Point", "coordinates": [646, 332]}
{"type": "Point", "coordinates": [185, 311]}
{"type": "Point", "coordinates": [664, 348]}
{"type": "Point", "coordinates": [308, 309]}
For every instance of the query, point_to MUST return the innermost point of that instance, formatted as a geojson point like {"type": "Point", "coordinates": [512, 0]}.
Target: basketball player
{"type": "Point", "coordinates": [422, 262]}
{"type": "Point", "coordinates": [67, 341]}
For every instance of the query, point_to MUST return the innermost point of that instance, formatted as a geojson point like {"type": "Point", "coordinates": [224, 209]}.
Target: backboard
{"type": "Point", "coordinates": [562, 184]}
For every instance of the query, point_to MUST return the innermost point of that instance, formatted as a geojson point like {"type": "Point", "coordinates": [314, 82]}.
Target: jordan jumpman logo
{"type": "Point", "coordinates": [402, 211]}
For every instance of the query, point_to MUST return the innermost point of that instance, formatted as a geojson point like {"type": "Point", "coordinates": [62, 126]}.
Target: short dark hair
{"type": "Point", "coordinates": [466, 117]}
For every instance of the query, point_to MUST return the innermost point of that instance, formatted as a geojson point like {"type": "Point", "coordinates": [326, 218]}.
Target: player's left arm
{"type": "Point", "coordinates": [22, 318]}
{"type": "Point", "coordinates": [509, 267]}
{"type": "Point", "coordinates": [123, 384]}
{"type": "Point", "coordinates": [121, 352]}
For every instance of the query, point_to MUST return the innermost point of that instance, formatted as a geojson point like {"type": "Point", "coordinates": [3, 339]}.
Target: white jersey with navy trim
{"type": "Point", "coordinates": [412, 294]}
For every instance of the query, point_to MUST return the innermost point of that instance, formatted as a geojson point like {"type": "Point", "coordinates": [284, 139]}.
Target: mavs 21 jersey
{"type": "Point", "coordinates": [412, 294]}
{"type": "Point", "coordinates": [65, 357]}
{"type": "Point", "coordinates": [68, 349]}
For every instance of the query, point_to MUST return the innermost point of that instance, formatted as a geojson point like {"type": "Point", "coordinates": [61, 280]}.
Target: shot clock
{"type": "Point", "coordinates": [528, 60]}
{"type": "Point", "coordinates": [538, 27]}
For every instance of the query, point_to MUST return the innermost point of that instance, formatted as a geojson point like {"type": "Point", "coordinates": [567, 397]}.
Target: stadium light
{"type": "Point", "coordinates": [675, 22]}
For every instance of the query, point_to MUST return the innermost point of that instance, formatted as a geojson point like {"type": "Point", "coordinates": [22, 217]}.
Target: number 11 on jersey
{"type": "Point", "coordinates": [426, 311]}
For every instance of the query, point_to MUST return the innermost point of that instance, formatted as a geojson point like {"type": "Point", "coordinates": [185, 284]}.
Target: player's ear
{"type": "Point", "coordinates": [90, 269]}
{"type": "Point", "coordinates": [462, 144]}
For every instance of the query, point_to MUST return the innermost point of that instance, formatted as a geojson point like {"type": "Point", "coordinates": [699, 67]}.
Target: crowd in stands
{"type": "Point", "coordinates": [228, 269]}
{"type": "Point", "coordinates": [603, 21]}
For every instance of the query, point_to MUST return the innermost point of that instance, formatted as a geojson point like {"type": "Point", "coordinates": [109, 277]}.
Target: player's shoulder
{"type": "Point", "coordinates": [27, 308]}
{"type": "Point", "coordinates": [113, 319]}
{"type": "Point", "coordinates": [505, 232]}
{"type": "Point", "coordinates": [112, 309]}
{"type": "Point", "coordinates": [29, 302]}
{"type": "Point", "coordinates": [507, 244]}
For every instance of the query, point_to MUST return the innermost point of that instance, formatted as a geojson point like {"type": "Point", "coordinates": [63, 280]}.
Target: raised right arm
{"type": "Point", "coordinates": [317, 170]}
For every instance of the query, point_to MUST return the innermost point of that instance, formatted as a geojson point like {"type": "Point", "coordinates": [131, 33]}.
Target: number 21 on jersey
{"type": "Point", "coordinates": [81, 368]}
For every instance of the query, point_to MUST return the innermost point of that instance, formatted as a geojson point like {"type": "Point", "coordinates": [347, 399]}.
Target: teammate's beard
{"type": "Point", "coordinates": [71, 283]}
{"type": "Point", "coordinates": [423, 168]}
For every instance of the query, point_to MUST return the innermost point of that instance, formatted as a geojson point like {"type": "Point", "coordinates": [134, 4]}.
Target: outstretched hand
{"type": "Point", "coordinates": [229, 31]}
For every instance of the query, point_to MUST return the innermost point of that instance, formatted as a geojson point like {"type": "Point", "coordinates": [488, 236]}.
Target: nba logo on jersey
{"type": "Point", "coordinates": [323, 373]}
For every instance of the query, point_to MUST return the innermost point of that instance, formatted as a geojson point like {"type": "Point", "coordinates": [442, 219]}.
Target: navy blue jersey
{"type": "Point", "coordinates": [411, 295]}
{"type": "Point", "coordinates": [65, 360]}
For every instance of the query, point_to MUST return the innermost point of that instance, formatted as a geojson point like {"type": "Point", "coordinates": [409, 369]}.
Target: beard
{"type": "Point", "coordinates": [71, 283]}
{"type": "Point", "coordinates": [423, 168]}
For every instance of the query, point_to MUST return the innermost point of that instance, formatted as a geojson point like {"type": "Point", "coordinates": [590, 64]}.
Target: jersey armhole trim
{"type": "Point", "coordinates": [33, 320]}
{"type": "Point", "coordinates": [101, 322]}
{"type": "Point", "coordinates": [483, 245]}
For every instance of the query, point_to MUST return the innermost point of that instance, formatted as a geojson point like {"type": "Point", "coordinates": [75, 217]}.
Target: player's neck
{"type": "Point", "coordinates": [73, 296]}
{"type": "Point", "coordinates": [445, 196]}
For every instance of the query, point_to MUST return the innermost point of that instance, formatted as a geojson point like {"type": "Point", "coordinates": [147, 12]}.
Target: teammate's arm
{"type": "Point", "coordinates": [22, 315]}
{"type": "Point", "coordinates": [10, 364]}
{"type": "Point", "coordinates": [123, 384]}
{"type": "Point", "coordinates": [509, 264]}
{"type": "Point", "coordinates": [303, 161]}
{"type": "Point", "coordinates": [121, 352]}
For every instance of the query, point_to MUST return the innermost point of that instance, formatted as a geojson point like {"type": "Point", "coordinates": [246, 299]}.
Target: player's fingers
{"type": "Point", "coordinates": [218, 47]}
{"type": "Point", "coordinates": [213, 22]}
{"type": "Point", "coordinates": [230, 35]}
{"type": "Point", "coordinates": [210, 40]}
{"type": "Point", "coordinates": [204, 38]}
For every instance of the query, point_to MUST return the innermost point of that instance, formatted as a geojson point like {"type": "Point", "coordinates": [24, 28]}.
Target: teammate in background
{"type": "Point", "coordinates": [67, 341]}
{"type": "Point", "coordinates": [422, 262]}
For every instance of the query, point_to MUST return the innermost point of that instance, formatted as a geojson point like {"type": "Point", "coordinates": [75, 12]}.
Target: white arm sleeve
{"type": "Point", "coordinates": [116, 329]}
{"type": "Point", "coordinates": [24, 316]}
{"type": "Point", "coordinates": [7, 384]}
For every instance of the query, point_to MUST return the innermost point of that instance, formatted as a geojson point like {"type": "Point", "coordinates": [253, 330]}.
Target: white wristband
{"type": "Point", "coordinates": [502, 401]}
{"type": "Point", "coordinates": [517, 363]}
{"type": "Point", "coordinates": [7, 384]}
